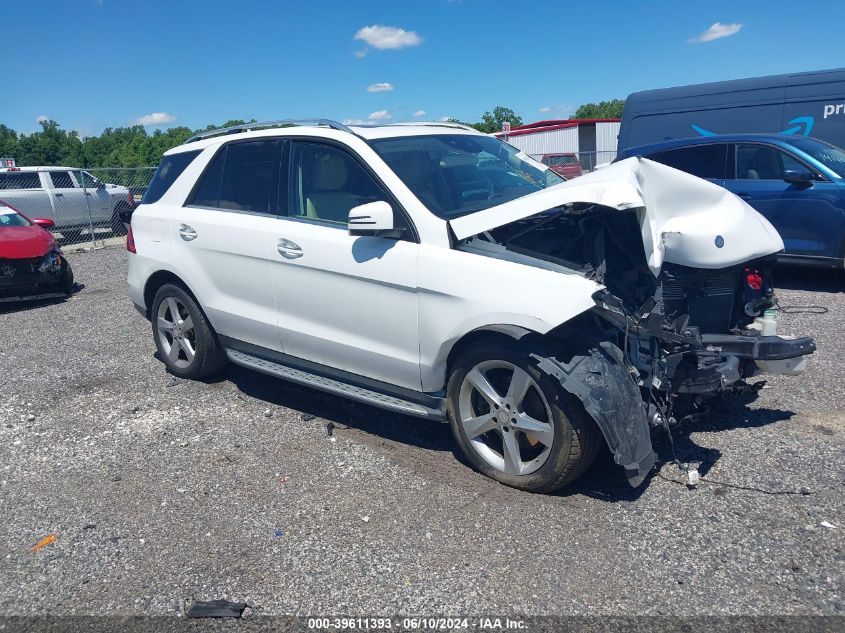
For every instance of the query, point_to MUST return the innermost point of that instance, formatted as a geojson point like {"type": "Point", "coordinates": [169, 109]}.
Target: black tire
{"type": "Point", "coordinates": [577, 439]}
{"type": "Point", "coordinates": [118, 224]}
{"type": "Point", "coordinates": [66, 278]}
{"type": "Point", "coordinates": [209, 357]}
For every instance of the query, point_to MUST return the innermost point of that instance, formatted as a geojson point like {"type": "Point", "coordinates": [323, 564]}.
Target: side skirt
{"type": "Point", "coordinates": [337, 382]}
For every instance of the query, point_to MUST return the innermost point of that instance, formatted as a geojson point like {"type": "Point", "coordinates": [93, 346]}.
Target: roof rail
{"type": "Point", "coordinates": [246, 127]}
{"type": "Point", "coordinates": [459, 126]}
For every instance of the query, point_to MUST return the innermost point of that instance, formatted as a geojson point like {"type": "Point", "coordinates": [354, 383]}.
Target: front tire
{"type": "Point", "coordinates": [183, 336]}
{"type": "Point", "coordinates": [66, 278]}
{"type": "Point", "coordinates": [515, 424]}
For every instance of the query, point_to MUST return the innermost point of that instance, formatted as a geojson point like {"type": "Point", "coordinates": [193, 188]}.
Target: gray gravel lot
{"type": "Point", "coordinates": [162, 492]}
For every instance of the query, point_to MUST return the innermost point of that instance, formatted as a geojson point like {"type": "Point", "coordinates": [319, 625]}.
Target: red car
{"type": "Point", "coordinates": [31, 263]}
{"type": "Point", "coordinates": [566, 165]}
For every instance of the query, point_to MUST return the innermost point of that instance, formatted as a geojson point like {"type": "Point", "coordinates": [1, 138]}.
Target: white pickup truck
{"type": "Point", "coordinates": [58, 193]}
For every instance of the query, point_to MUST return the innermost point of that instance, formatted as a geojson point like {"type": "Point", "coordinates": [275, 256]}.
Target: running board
{"type": "Point", "coordinates": [330, 385]}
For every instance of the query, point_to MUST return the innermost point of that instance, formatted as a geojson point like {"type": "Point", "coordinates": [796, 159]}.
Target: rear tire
{"type": "Point", "coordinates": [538, 444]}
{"type": "Point", "coordinates": [184, 338]}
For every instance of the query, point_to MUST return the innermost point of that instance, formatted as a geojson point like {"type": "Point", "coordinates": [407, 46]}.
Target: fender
{"type": "Point", "coordinates": [601, 381]}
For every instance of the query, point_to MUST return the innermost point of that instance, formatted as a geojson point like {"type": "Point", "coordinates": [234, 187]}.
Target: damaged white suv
{"type": "Point", "coordinates": [438, 272]}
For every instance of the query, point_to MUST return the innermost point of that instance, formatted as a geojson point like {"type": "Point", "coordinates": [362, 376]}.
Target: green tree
{"type": "Point", "coordinates": [492, 122]}
{"type": "Point", "coordinates": [602, 110]}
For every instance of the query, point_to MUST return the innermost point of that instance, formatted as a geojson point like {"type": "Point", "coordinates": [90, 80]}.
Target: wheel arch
{"type": "Point", "coordinates": [160, 278]}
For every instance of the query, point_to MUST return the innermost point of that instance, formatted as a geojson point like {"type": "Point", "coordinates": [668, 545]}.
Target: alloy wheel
{"type": "Point", "coordinates": [506, 417]}
{"type": "Point", "coordinates": [176, 332]}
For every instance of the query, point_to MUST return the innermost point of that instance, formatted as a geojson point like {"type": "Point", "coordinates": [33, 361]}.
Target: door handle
{"type": "Point", "coordinates": [187, 233]}
{"type": "Point", "coordinates": [744, 196]}
{"type": "Point", "coordinates": [288, 249]}
{"type": "Point", "coordinates": [60, 195]}
{"type": "Point", "coordinates": [87, 193]}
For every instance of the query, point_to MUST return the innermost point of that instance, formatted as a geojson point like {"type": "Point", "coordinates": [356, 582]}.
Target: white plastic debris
{"type": "Point", "coordinates": [365, 519]}
{"type": "Point", "coordinates": [827, 524]}
{"type": "Point", "coordinates": [693, 476]}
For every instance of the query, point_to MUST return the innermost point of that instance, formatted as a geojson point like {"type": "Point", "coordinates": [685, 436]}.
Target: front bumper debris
{"type": "Point", "coordinates": [756, 347]}
{"type": "Point", "coordinates": [600, 379]}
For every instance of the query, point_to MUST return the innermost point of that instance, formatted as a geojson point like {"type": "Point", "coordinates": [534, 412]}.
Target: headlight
{"type": "Point", "coordinates": [50, 263]}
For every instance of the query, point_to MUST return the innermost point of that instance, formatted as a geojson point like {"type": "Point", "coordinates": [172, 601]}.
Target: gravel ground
{"type": "Point", "coordinates": [162, 492]}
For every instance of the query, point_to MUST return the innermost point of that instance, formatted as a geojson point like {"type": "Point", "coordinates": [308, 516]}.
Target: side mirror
{"type": "Point", "coordinates": [374, 219]}
{"type": "Point", "coordinates": [44, 223]}
{"type": "Point", "coordinates": [796, 177]}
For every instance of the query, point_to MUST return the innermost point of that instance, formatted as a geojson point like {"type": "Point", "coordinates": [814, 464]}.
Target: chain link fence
{"type": "Point", "coordinates": [86, 206]}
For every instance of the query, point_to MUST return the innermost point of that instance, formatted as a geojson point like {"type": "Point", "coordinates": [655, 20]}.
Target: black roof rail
{"type": "Point", "coordinates": [246, 127]}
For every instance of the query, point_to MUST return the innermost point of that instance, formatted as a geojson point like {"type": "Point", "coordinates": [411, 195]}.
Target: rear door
{"type": "Point", "coordinates": [346, 302]}
{"type": "Point", "coordinates": [808, 218]}
{"type": "Point", "coordinates": [69, 201]}
{"type": "Point", "coordinates": [223, 236]}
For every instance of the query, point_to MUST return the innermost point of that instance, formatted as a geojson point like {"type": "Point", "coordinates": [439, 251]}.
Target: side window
{"type": "Point", "coordinates": [20, 180]}
{"type": "Point", "coordinates": [790, 163]}
{"type": "Point", "coordinates": [326, 182]}
{"type": "Point", "coordinates": [84, 178]}
{"type": "Point", "coordinates": [250, 177]}
{"type": "Point", "coordinates": [207, 192]}
{"type": "Point", "coordinates": [704, 161]}
{"type": "Point", "coordinates": [61, 180]}
{"type": "Point", "coordinates": [763, 162]}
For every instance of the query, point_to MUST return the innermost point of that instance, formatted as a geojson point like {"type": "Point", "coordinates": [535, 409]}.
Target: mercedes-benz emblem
{"type": "Point", "coordinates": [720, 241]}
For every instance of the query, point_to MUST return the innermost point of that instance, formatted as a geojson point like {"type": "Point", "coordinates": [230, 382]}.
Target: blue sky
{"type": "Point", "coordinates": [91, 64]}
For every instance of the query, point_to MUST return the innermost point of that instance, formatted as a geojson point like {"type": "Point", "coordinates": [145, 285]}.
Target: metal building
{"type": "Point", "coordinates": [592, 140]}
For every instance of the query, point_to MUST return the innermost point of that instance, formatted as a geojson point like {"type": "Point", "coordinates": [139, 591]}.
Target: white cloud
{"type": "Point", "coordinates": [420, 113]}
{"type": "Point", "coordinates": [154, 118]}
{"type": "Point", "coordinates": [42, 118]}
{"type": "Point", "coordinates": [386, 38]}
{"type": "Point", "coordinates": [380, 87]}
{"type": "Point", "coordinates": [354, 121]}
{"type": "Point", "coordinates": [360, 54]}
{"type": "Point", "coordinates": [380, 115]}
{"type": "Point", "coordinates": [545, 109]}
{"type": "Point", "coordinates": [716, 31]}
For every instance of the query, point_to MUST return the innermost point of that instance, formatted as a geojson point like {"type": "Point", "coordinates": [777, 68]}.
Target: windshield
{"type": "Point", "coordinates": [10, 217]}
{"type": "Point", "coordinates": [828, 155]}
{"type": "Point", "coordinates": [456, 174]}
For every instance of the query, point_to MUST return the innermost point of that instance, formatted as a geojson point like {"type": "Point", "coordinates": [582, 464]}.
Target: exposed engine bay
{"type": "Point", "coordinates": [685, 334]}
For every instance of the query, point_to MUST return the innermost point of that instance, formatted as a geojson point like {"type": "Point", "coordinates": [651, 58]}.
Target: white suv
{"type": "Point", "coordinates": [439, 272]}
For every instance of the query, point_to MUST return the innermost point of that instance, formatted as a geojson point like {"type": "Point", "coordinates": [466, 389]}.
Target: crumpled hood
{"type": "Point", "coordinates": [683, 219]}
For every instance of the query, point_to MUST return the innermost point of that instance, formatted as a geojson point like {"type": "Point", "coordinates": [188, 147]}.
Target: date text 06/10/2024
{"type": "Point", "coordinates": [415, 624]}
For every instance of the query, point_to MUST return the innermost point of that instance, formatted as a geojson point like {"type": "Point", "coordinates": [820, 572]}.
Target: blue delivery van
{"type": "Point", "coordinates": [806, 104]}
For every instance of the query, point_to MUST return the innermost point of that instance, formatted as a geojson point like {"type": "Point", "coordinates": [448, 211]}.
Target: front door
{"type": "Point", "coordinates": [346, 302]}
{"type": "Point", "coordinates": [808, 218]}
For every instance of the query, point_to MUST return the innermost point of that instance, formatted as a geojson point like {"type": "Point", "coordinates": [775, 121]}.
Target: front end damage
{"type": "Point", "coordinates": [687, 310]}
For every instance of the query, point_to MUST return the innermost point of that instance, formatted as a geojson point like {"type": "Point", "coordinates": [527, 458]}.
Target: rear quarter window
{"type": "Point", "coordinates": [169, 169]}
